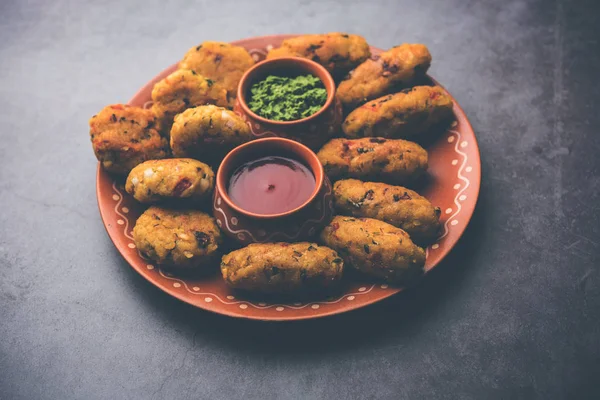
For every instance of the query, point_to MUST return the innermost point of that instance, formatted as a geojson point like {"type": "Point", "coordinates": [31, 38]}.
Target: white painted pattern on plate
{"type": "Point", "coordinates": [262, 306]}
{"type": "Point", "coordinates": [460, 192]}
{"type": "Point", "coordinates": [121, 196]}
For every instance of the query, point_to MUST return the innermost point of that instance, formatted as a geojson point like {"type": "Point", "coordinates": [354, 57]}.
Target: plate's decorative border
{"type": "Point", "coordinates": [453, 138]}
{"type": "Point", "coordinates": [243, 304]}
{"type": "Point", "coordinates": [460, 197]}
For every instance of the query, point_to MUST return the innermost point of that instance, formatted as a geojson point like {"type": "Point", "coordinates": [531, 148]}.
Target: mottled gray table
{"type": "Point", "coordinates": [513, 313]}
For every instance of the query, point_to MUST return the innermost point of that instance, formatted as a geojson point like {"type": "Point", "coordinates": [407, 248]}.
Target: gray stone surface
{"type": "Point", "coordinates": [513, 313]}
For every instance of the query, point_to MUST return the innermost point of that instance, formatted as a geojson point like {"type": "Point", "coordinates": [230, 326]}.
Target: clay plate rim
{"type": "Point", "coordinates": [119, 240]}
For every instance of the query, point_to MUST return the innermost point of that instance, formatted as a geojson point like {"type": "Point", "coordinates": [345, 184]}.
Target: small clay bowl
{"type": "Point", "coordinates": [301, 223]}
{"type": "Point", "coordinates": [313, 131]}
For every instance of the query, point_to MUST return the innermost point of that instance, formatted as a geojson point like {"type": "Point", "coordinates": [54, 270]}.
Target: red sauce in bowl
{"type": "Point", "coordinates": [271, 185]}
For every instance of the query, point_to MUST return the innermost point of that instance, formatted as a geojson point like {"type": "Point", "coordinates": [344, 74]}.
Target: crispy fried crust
{"type": "Point", "coordinates": [176, 178]}
{"type": "Point", "coordinates": [395, 205]}
{"type": "Point", "coordinates": [337, 52]}
{"type": "Point", "coordinates": [220, 62]}
{"type": "Point", "coordinates": [375, 248]}
{"type": "Point", "coordinates": [374, 78]}
{"type": "Point", "coordinates": [400, 116]}
{"type": "Point", "coordinates": [178, 238]}
{"type": "Point", "coordinates": [181, 90]}
{"type": "Point", "coordinates": [282, 267]}
{"type": "Point", "coordinates": [124, 136]}
{"type": "Point", "coordinates": [385, 160]}
{"type": "Point", "coordinates": [207, 131]}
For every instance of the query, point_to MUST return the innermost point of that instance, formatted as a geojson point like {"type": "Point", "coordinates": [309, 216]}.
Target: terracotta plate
{"type": "Point", "coordinates": [454, 187]}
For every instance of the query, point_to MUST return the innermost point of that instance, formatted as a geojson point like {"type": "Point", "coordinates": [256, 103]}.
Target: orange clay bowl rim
{"type": "Point", "coordinates": [304, 64]}
{"type": "Point", "coordinates": [318, 172]}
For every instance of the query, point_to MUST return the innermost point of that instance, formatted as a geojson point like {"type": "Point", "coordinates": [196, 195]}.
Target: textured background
{"type": "Point", "coordinates": [513, 313]}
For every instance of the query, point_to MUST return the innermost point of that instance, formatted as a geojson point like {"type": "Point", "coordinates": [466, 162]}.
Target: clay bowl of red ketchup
{"type": "Point", "coordinates": [272, 189]}
{"type": "Point", "coordinates": [313, 130]}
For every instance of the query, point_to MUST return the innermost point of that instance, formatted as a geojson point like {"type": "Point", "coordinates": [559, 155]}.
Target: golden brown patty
{"type": "Point", "coordinates": [124, 136]}
{"type": "Point", "coordinates": [385, 160]}
{"type": "Point", "coordinates": [207, 132]}
{"type": "Point", "coordinates": [181, 90]}
{"type": "Point", "coordinates": [395, 205]}
{"type": "Point", "coordinates": [337, 52]}
{"type": "Point", "coordinates": [374, 78]}
{"type": "Point", "coordinates": [375, 248]}
{"type": "Point", "coordinates": [282, 267]}
{"type": "Point", "coordinates": [401, 115]}
{"type": "Point", "coordinates": [178, 238]}
{"type": "Point", "coordinates": [176, 178]}
{"type": "Point", "coordinates": [219, 61]}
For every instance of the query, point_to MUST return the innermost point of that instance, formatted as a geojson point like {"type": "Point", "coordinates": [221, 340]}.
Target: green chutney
{"type": "Point", "coordinates": [282, 98]}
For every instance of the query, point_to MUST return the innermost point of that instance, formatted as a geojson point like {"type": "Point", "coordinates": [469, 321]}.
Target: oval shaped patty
{"type": "Point", "coordinates": [176, 178]}
{"type": "Point", "coordinates": [399, 65]}
{"type": "Point", "coordinates": [221, 62]}
{"type": "Point", "coordinates": [207, 132]}
{"type": "Point", "coordinates": [124, 136]}
{"type": "Point", "coordinates": [400, 116]}
{"type": "Point", "coordinates": [282, 267]}
{"type": "Point", "coordinates": [187, 239]}
{"type": "Point", "coordinates": [376, 159]}
{"type": "Point", "coordinates": [375, 248]}
{"type": "Point", "coordinates": [337, 52]}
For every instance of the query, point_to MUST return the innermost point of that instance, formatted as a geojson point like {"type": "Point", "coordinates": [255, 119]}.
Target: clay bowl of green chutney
{"type": "Point", "coordinates": [290, 97]}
